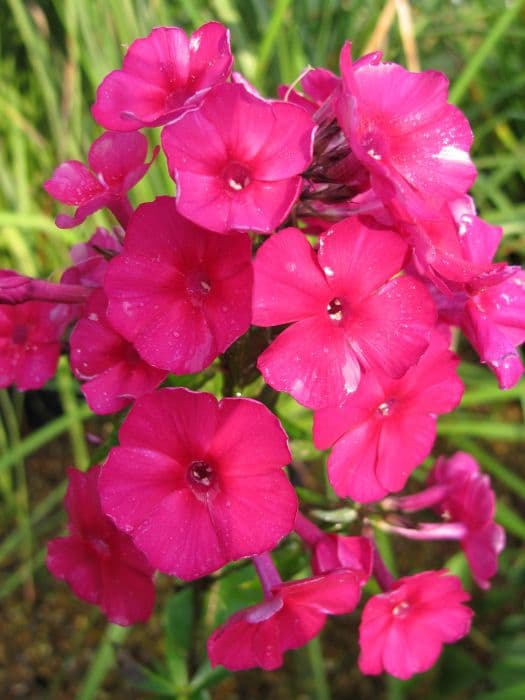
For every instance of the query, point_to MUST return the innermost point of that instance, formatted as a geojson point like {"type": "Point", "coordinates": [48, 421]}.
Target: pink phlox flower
{"type": "Point", "coordinates": [116, 163]}
{"type": "Point", "coordinates": [237, 160]}
{"type": "Point", "coordinates": [163, 75]}
{"type": "Point", "coordinates": [90, 262]}
{"type": "Point", "coordinates": [347, 314]}
{"type": "Point", "coordinates": [100, 564]}
{"type": "Point", "coordinates": [198, 482]}
{"type": "Point", "coordinates": [386, 428]}
{"type": "Point", "coordinates": [470, 500]}
{"type": "Point", "coordinates": [317, 84]}
{"type": "Point", "coordinates": [334, 551]}
{"type": "Point", "coordinates": [90, 259]}
{"type": "Point", "coordinates": [455, 250]}
{"type": "Point", "coordinates": [180, 294]}
{"type": "Point", "coordinates": [112, 371]}
{"type": "Point", "coordinates": [291, 616]}
{"type": "Point", "coordinates": [401, 127]}
{"type": "Point", "coordinates": [403, 630]}
{"type": "Point", "coordinates": [30, 340]}
{"type": "Point", "coordinates": [494, 322]}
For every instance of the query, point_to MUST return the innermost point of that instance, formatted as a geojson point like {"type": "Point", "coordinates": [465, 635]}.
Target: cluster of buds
{"type": "Point", "coordinates": [336, 217]}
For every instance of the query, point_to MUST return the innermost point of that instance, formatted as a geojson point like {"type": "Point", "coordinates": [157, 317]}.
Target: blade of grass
{"type": "Point", "coordinates": [43, 435]}
{"type": "Point", "coordinates": [505, 20]}
{"type": "Point", "coordinates": [490, 430]}
{"type": "Point", "coordinates": [270, 36]}
{"type": "Point", "coordinates": [102, 662]}
{"type": "Point", "coordinates": [67, 389]}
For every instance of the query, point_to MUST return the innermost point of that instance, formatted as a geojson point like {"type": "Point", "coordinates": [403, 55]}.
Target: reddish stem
{"type": "Point", "coordinates": [306, 530]}
{"type": "Point", "coordinates": [267, 572]}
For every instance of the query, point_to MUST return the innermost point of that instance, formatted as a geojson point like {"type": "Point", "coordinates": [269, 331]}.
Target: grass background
{"type": "Point", "coordinates": [54, 53]}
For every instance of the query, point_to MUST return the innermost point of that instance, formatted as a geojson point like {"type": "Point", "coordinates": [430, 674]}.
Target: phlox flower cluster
{"type": "Point", "coordinates": [321, 243]}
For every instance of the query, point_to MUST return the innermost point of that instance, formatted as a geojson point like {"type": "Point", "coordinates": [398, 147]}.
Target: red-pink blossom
{"type": "Point", "coordinates": [163, 75]}
{"type": "Point", "coordinates": [30, 337]}
{"type": "Point", "coordinates": [347, 314]}
{"type": "Point", "coordinates": [292, 614]}
{"type": "Point", "coordinates": [331, 551]}
{"type": "Point", "coordinates": [387, 427]}
{"type": "Point", "coordinates": [318, 84]}
{"type": "Point", "coordinates": [90, 259]}
{"type": "Point", "coordinates": [470, 501]}
{"type": "Point", "coordinates": [403, 630]}
{"type": "Point", "coordinates": [180, 294]}
{"type": "Point", "coordinates": [99, 563]}
{"type": "Point", "coordinates": [237, 160]}
{"type": "Point", "coordinates": [111, 369]}
{"type": "Point", "coordinates": [116, 163]}
{"type": "Point", "coordinates": [456, 247]}
{"type": "Point", "coordinates": [199, 483]}
{"type": "Point", "coordinates": [403, 130]}
{"type": "Point", "coordinates": [494, 322]}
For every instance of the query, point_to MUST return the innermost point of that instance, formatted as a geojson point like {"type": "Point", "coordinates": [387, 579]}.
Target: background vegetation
{"type": "Point", "coordinates": [54, 54]}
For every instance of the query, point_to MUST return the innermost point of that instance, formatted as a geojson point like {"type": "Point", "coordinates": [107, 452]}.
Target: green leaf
{"type": "Point", "coordinates": [178, 629]}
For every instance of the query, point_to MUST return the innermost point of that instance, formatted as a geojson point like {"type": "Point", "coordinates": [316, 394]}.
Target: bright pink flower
{"type": "Point", "coordinates": [457, 247]}
{"type": "Point", "coordinates": [292, 615]}
{"type": "Point", "coordinates": [494, 322]}
{"type": "Point", "coordinates": [402, 129]}
{"type": "Point", "coordinates": [387, 427]}
{"type": "Point", "coordinates": [116, 163]}
{"type": "Point", "coordinates": [30, 336]}
{"type": "Point", "coordinates": [318, 84]}
{"type": "Point", "coordinates": [341, 552]}
{"type": "Point", "coordinates": [331, 552]}
{"type": "Point", "coordinates": [346, 312]}
{"type": "Point", "coordinates": [237, 160]}
{"type": "Point", "coordinates": [111, 368]}
{"type": "Point", "coordinates": [163, 75]}
{"type": "Point", "coordinates": [403, 630]}
{"type": "Point", "coordinates": [470, 501]}
{"type": "Point", "coordinates": [99, 563]}
{"type": "Point", "coordinates": [180, 294]}
{"type": "Point", "coordinates": [90, 259]}
{"type": "Point", "coordinates": [199, 483]}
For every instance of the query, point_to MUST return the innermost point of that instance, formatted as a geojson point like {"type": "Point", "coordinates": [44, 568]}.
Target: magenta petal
{"type": "Point", "coordinates": [288, 147]}
{"type": "Point", "coordinates": [312, 361]}
{"type": "Point", "coordinates": [71, 559]}
{"type": "Point", "coordinates": [352, 464]}
{"type": "Point", "coordinates": [493, 346]}
{"type": "Point", "coordinates": [288, 283]}
{"type": "Point", "coordinates": [114, 155]}
{"type": "Point", "coordinates": [246, 502]}
{"type": "Point", "coordinates": [240, 644]}
{"type": "Point", "coordinates": [210, 55]}
{"type": "Point", "coordinates": [178, 421]}
{"type": "Point", "coordinates": [120, 384]}
{"type": "Point", "coordinates": [406, 440]}
{"type": "Point", "coordinates": [391, 329]}
{"type": "Point", "coordinates": [180, 539]}
{"type": "Point", "coordinates": [126, 102]}
{"type": "Point", "coordinates": [37, 366]}
{"type": "Point", "coordinates": [72, 183]}
{"type": "Point", "coordinates": [249, 437]}
{"type": "Point", "coordinates": [262, 206]}
{"type": "Point", "coordinates": [135, 482]}
{"type": "Point", "coordinates": [331, 423]}
{"type": "Point", "coordinates": [482, 548]}
{"type": "Point", "coordinates": [357, 259]}
{"type": "Point", "coordinates": [128, 595]}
